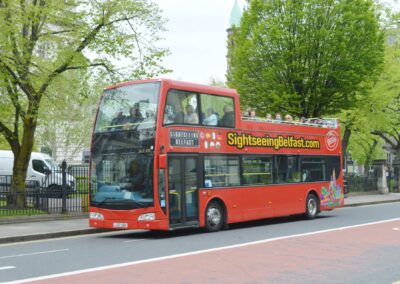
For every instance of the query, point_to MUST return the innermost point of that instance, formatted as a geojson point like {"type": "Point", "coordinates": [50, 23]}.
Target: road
{"type": "Point", "coordinates": [348, 245]}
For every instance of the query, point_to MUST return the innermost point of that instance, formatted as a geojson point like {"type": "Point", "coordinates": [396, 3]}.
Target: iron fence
{"type": "Point", "coordinates": [61, 190]}
{"type": "Point", "coordinates": [357, 183]}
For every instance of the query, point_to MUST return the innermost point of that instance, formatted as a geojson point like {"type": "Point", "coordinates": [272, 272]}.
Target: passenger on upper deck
{"type": "Point", "coordinates": [191, 116]}
{"type": "Point", "coordinates": [119, 119]}
{"type": "Point", "coordinates": [252, 113]}
{"type": "Point", "coordinates": [134, 115]}
{"type": "Point", "coordinates": [268, 117]}
{"type": "Point", "coordinates": [212, 118]}
{"type": "Point", "coordinates": [178, 113]}
{"type": "Point", "coordinates": [288, 118]}
{"type": "Point", "coordinates": [134, 118]}
{"type": "Point", "coordinates": [229, 117]}
{"type": "Point", "coordinates": [278, 117]}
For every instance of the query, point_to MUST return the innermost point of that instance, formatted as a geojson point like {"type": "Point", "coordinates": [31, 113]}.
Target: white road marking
{"type": "Point", "coordinates": [197, 252]}
{"type": "Point", "coordinates": [33, 253]}
{"type": "Point", "coordinates": [99, 235]}
{"type": "Point", "coordinates": [396, 229]}
{"type": "Point", "coordinates": [132, 241]}
{"type": "Point", "coordinates": [6, 267]}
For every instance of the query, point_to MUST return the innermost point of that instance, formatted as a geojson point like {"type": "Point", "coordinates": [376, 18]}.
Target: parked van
{"type": "Point", "coordinates": [42, 169]}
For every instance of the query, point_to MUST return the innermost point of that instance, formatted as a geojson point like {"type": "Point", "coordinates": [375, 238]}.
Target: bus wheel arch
{"type": "Point", "coordinates": [215, 215]}
{"type": "Point", "coordinates": [313, 205]}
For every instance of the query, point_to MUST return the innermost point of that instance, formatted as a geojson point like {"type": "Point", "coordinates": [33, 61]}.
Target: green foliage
{"type": "Point", "coordinates": [42, 40]}
{"type": "Point", "coordinates": [377, 117]}
{"type": "Point", "coordinates": [308, 58]}
{"type": "Point", "coordinates": [66, 117]}
{"type": "Point", "coordinates": [365, 148]}
{"type": "Point", "coordinates": [3, 144]}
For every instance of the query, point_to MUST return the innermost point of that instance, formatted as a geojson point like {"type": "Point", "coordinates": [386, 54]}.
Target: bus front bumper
{"type": "Point", "coordinates": [145, 218]}
{"type": "Point", "coordinates": [129, 224]}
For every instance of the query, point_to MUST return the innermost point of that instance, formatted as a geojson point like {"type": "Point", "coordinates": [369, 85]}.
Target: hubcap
{"type": "Point", "coordinates": [312, 206]}
{"type": "Point", "coordinates": [213, 216]}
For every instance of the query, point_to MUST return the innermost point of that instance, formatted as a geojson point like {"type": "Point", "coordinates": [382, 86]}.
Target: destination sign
{"type": "Point", "coordinates": [184, 138]}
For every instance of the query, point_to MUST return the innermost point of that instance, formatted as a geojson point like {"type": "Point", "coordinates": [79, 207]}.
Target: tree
{"type": "Point", "coordinates": [377, 117]}
{"type": "Point", "coordinates": [308, 58]}
{"type": "Point", "coordinates": [42, 39]}
{"type": "Point", "coordinates": [66, 119]}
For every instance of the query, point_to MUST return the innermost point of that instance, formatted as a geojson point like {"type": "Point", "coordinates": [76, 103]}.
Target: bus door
{"type": "Point", "coordinates": [183, 190]}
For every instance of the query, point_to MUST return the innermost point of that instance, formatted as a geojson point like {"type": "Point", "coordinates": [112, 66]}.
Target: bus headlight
{"type": "Point", "coordinates": [96, 216]}
{"type": "Point", "coordinates": [147, 217]}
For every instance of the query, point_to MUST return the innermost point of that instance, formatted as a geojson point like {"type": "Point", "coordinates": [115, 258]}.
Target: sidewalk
{"type": "Point", "coordinates": [36, 229]}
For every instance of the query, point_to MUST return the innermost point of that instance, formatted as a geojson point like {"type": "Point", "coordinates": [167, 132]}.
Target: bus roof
{"type": "Point", "coordinates": [175, 84]}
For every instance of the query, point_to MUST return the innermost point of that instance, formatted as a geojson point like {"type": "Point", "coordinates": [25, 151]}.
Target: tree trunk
{"type": "Point", "coordinates": [22, 156]}
{"type": "Point", "coordinates": [368, 158]}
{"type": "Point", "coordinates": [345, 143]}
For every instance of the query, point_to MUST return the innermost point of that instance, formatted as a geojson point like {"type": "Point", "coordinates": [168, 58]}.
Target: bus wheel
{"type": "Point", "coordinates": [311, 206]}
{"type": "Point", "coordinates": [214, 217]}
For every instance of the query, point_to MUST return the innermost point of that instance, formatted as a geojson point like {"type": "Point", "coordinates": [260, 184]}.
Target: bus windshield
{"type": "Point", "coordinates": [122, 181]}
{"type": "Point", "coordinates": [130, 107]}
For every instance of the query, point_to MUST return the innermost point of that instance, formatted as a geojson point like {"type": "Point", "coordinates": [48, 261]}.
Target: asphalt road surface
{"type": "Point", "coordinates": [347, 245]}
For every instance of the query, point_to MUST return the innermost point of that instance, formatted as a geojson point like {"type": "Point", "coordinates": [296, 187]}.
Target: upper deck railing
{"type": "Point", "coordinates": [313, 122]}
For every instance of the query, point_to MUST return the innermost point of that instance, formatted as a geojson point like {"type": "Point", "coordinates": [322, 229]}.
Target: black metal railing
{"type": "Point", "coordinates": [60, 190]}
{"type": "Point", "coordinates": [356, 183]}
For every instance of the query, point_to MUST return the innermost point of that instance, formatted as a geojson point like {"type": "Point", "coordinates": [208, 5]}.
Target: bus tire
{"type": "Point", "coordinates": [312, 206]}
{"type": "Point", "coordinates": [214, 217]}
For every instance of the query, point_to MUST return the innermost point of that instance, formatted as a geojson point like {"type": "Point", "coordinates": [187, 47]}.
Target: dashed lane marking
{"type": "Point", "coordinates": [132, 241]}
{"type": "Point", "coordinates": [6, 267]}
{"type": "Point", "coordinates": [33, 253]}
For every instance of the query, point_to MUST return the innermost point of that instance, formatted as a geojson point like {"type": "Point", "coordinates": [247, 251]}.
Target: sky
{"type": "Point", "coordinates": [196, 38]}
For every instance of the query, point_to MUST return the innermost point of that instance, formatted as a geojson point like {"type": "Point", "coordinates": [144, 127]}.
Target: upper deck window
{"type": "Point", "coordinates": [191, 108]}
{"type": "Point", "coordinates": [130, 107]}
{"type": "Point", "coordinates": [217, 110]}
{"type": "Point", "coordinates": [181, 108]}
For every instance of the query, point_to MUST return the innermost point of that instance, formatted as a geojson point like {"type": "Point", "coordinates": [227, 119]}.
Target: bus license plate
{"type": "Point", "coordinates": [120, 225]}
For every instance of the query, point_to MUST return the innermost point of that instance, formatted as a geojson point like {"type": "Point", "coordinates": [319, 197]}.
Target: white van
{"type": "Point", "coordinates": [42, 168]}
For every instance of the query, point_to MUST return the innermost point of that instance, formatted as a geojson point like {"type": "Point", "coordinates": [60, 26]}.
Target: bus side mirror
{"type": "Point", "coordinates": [162, 161]}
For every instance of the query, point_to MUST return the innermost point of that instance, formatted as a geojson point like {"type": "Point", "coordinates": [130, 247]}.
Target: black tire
{"type": "Point", "coordinates": [312, 206]}
{"type": "Point", "coordinates": [214, 217]}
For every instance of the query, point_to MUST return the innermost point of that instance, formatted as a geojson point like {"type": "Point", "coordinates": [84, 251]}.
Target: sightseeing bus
{"type": "Point", "coordinates": [167, 154]}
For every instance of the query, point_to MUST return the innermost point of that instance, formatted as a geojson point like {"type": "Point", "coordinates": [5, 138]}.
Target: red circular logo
{"type": "Point", "coordinates": [332, 140]}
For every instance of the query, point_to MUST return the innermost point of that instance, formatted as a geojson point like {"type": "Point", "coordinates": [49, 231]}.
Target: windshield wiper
{"type": "Point", "coordinates": [105, 200]}
{"type": "Point", "coordinates": [137, 203]}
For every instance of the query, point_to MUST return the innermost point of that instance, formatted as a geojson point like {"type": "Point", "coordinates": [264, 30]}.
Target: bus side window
{"type": "Point", "coordinates": [305, 175]}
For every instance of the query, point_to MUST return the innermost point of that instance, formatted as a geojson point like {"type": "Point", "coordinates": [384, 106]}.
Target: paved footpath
{"type": "Point", "coordinates": [29, 230]}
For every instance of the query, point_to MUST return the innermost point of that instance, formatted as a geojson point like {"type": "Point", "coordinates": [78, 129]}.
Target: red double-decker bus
{"type": "Point", "coordinates": [167, 154]}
